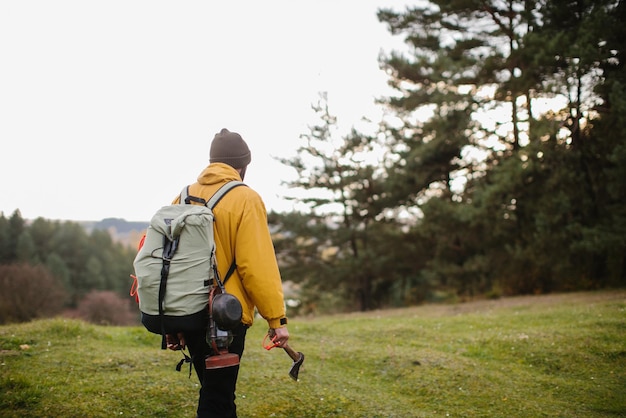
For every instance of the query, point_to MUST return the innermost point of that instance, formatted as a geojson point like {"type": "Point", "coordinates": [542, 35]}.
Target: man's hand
{"type": "Point", "coordinates": [279, 336]}
{"type": "Point", "coordinates": [175, 342]}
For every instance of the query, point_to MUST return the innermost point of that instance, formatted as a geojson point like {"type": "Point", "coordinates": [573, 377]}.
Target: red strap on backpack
{"type": "Point", "coordinates": [141, 241]}
{"type": "Point", "coordinates": [133, 287]}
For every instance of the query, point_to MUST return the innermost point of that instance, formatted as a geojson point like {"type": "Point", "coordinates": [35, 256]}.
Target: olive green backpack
{"type": "Point", "coordinates": [176, 266]}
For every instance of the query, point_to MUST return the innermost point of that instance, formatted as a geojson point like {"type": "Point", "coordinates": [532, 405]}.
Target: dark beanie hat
{"type": "Point", "coordinates": [230, 148]}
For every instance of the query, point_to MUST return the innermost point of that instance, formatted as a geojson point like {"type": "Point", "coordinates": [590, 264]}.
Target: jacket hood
{"type": "Point", "coordinates": [218, 173]}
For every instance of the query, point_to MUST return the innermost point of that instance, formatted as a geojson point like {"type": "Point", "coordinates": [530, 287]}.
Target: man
{"type": "Point", "coordinates": [242, 235]}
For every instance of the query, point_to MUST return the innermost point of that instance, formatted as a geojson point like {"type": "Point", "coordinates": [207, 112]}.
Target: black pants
{"type": "Point", "coordinates": [217, 392]}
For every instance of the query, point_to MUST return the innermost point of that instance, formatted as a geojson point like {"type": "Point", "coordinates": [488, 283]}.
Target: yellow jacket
{"type": "Point", "coordinates": [242, 233]}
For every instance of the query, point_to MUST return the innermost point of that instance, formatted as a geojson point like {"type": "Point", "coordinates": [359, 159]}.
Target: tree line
{"type": "Point", "coordinates": [471, 186]}
{"type": "Point", "coordinates": [47, 267]}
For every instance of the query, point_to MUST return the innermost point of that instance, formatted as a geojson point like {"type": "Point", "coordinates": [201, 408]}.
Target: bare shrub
{"type": "Point", "coordinates": [106, 308]}
{"type": "Point", "coordinates": [28, 292]}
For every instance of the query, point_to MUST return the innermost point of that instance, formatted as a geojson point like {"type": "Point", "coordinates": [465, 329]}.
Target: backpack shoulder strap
{"type": "Point", "coordinates": [186, 199]}
{"type": "Point", "coordinates": [184, 194]}
{"type": "Point", "coordinates": [222, 191]}
{"type": "Point", "coordinates": [211, 204]}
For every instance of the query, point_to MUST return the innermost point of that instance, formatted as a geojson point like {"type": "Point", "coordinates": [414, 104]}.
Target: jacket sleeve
{"type": "Point", "coordinates": [256, 262]}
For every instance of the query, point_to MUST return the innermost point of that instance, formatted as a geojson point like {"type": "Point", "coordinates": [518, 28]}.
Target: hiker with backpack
{"type": "Point", "coordinates": [246, 269]}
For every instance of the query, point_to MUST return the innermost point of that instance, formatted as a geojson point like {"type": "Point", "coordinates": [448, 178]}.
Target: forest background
{"type": "Point", "coordinates": [498, 169]}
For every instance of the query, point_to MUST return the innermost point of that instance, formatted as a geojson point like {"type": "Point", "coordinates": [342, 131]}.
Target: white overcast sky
{"type": "Point", "coordinates": [107, 108]}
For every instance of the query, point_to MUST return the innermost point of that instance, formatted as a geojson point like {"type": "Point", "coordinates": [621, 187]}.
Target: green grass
{"type": "Point", "coordinates": [546, 356]}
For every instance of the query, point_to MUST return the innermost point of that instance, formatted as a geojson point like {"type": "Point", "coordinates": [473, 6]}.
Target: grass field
{"type": "Point", "coordinates": [540, 356]}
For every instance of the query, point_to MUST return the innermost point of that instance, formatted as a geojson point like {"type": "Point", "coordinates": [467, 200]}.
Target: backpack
{"type": "Point", "coordinates": [176, 266]}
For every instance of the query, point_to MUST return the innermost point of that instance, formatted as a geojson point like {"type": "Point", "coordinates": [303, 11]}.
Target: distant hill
{"type": "Point", "coordinates": [121, 230]}
{"type": "Point", "coordinates": [120, 225]}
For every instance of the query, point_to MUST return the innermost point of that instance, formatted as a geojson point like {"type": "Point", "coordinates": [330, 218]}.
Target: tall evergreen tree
{"type": "Point", "coordinates": [530, 180]}
{"type": "Point", "coordinates": [462, 90]}
{"type": "Point", "coordinates": [335, 251]}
